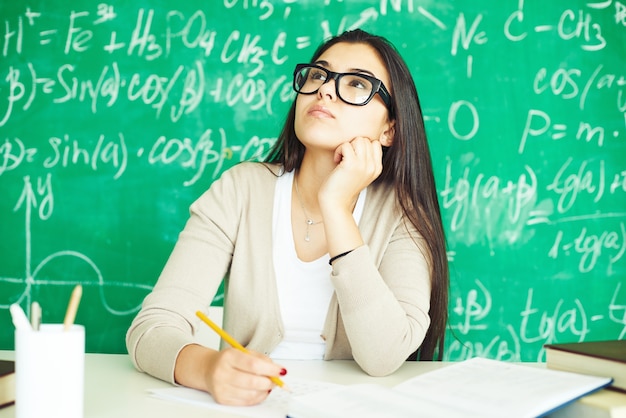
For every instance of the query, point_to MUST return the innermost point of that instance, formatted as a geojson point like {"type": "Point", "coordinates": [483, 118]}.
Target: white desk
{"type": "Point", "coordinates": [115, 389]}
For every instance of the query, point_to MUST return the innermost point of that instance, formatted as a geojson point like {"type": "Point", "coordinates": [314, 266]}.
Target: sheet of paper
{"type": "Point", "coordinates": [495, 388]}
{"type": "Point", "coordinates": [370, 401]}
{"type": "Point", "coordinates": [276, 404]}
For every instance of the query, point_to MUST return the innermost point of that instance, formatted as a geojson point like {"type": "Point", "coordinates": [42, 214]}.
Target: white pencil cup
{"type": "Point", "coordinates": [50, 372]}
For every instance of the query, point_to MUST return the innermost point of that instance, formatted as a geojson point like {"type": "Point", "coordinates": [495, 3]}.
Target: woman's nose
{"type": "Point", "coordinates": [328, 89]}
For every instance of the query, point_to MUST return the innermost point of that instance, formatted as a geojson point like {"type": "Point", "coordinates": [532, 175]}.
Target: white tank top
{"type": "Point", "coordinates": [304, 288]}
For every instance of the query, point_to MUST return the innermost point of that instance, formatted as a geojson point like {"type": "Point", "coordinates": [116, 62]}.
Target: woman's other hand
{"type": "Point", "coordinates": [359, 163]}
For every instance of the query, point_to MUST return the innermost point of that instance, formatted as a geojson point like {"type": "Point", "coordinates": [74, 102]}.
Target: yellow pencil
{"type": "Point", "coordinates": [230, 340]}
{"type": "Point", "coordinates": [72, 307]}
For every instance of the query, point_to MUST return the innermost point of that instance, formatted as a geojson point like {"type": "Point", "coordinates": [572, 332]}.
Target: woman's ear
{"type": "Point", "coordinates": [386, 138]}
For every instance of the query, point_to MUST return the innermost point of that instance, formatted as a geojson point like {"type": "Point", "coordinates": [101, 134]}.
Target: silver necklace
{"type": "Point", "coordinates": [309, 222]}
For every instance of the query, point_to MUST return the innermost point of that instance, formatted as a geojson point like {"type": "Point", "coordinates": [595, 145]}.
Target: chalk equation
{"type": "Point", "coordinates": [537, 322]}
{"type": "Point", "coordinates": [170, 95]}
{"type": "Point", "coordinates": [111, 153]}
{"type": "Point", "coordinates": [501, 211]}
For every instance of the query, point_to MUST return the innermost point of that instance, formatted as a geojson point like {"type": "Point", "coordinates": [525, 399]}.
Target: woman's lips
{"type": "Point", "coordinates": [320, 111]}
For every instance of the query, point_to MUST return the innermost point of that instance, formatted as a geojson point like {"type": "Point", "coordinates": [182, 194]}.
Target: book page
{"type": "Point", "coordinates": [496, 388]}
{"type": "Point", "coordinates": [370, 401]}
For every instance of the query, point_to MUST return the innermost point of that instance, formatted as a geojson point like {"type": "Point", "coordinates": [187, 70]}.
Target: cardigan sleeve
{"type": "Point", "coordinates": [188, 282]}
{"type": "Point", "coordinates": [385, 307]}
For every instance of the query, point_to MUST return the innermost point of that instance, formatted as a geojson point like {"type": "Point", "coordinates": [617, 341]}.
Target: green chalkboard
{"type": "Point", "coordinates": [115, 116]}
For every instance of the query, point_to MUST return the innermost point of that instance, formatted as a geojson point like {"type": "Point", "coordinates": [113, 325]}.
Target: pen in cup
{"type": "Point", "coordinates": [72, 307]}
{"type": "Point", "coordinates": [35, 315]}
{"type": "Point", "coordinates": [230, 340]}
{"type": "Point", "coordinates": [19, 318]}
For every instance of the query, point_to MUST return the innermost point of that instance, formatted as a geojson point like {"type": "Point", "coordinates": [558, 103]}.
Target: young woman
{"type": "Point", "coordinates": [332, 249]}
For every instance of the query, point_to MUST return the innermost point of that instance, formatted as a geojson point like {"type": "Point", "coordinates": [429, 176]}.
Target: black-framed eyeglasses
{"type": "Point", "coordinates": [352, 88]}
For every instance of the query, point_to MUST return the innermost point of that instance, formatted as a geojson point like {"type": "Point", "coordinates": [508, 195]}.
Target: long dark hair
{"type": "Point", "coordinates": [407, 166]}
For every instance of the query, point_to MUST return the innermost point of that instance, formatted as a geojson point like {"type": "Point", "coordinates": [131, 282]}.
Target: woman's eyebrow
{"type": "Point", "coordinates": [324, 64]}
{"type": "Point", "coordinates": [361, 70]}
{"type": "Point", "coordinates": [351, 70]}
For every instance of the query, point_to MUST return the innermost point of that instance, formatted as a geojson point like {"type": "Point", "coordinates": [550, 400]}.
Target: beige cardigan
{"type": "Point", "coordinates": [377, 316]}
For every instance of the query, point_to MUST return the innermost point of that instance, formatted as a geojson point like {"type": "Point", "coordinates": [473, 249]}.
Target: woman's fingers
{"type": "Point", "coordinates": [359, 164]}
{"type": "Point", "coordinates": [239, 378]}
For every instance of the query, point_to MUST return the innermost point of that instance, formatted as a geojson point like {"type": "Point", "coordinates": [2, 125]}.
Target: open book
{"type": "Point", "coordinates": [472, 388]}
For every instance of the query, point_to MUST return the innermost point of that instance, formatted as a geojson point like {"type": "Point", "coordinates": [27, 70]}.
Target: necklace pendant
{"type": "Point", "coordinates": [309, 222]}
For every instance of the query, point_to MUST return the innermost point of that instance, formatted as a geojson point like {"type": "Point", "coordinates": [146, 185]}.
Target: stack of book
{"type": "Point", "coordinates": [7, 382]}
{"type": "Point", "coordinates": [597, 358]}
